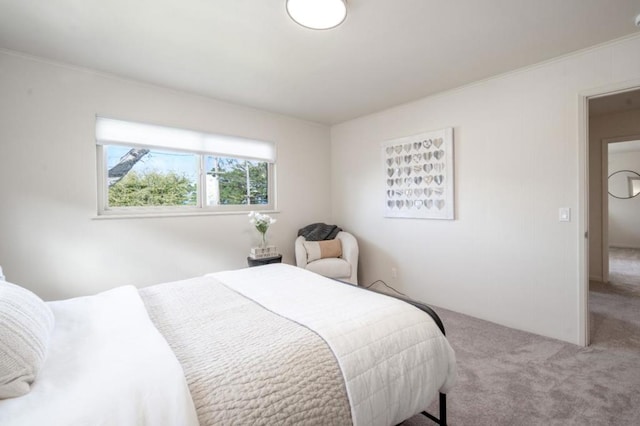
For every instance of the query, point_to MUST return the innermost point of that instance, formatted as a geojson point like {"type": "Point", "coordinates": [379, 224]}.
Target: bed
{"type": "Point", "coordinates": [273, 344]}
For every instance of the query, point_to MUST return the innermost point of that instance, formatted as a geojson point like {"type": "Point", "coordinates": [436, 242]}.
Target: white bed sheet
{"type": "Point", "coordinates": [107, 365]}
{"type": "Point", "coordinates": [393, 356]}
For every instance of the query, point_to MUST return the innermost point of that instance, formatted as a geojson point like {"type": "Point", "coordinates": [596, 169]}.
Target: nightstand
{"type": "Point", "coordinates": [265, 261]}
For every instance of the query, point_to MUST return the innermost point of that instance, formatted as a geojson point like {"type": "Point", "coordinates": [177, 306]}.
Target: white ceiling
{"type": "Point", "coordinates": [249, 52]}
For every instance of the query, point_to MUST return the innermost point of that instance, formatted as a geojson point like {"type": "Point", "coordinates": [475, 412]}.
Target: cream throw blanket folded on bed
{"type": "Point", "coordinates": [245, 365]}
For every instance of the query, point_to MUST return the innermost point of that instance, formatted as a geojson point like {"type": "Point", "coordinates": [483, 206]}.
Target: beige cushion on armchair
{"type": "Point", "coordinates": [344, 268]}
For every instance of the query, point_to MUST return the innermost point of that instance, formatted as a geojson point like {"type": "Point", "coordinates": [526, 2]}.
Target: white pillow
{"type": "Point", "coordinates": [26, 323]}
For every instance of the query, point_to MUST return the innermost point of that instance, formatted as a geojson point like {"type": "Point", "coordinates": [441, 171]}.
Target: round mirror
{"type": "Point", "coordinates": [624, 184]}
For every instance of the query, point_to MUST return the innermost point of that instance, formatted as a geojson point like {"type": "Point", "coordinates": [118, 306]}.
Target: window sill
{"type": "Point", "coordinates": [152, 215]}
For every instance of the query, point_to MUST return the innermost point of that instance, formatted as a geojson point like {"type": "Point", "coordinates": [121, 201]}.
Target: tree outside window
{"type": "Point", "coordinates": [162, 178]}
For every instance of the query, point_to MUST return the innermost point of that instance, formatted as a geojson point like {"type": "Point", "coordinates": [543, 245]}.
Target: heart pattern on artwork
{"type": "Point", "coordinates": [416, 177]}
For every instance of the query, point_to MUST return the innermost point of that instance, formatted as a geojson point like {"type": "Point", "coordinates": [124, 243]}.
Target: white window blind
{"type": "Point", "coordinates": [110, 131]}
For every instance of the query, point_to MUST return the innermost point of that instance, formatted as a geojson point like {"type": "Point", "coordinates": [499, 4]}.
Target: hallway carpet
{"type": "Point", "coordinates": [624, 270]}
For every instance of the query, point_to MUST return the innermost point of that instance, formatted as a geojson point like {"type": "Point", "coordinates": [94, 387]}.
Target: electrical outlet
{"type": "Point", "coordinates": [394, 272]}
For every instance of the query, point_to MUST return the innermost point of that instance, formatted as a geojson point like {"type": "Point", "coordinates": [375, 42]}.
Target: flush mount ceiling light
{"type": "Point", "coordinates": [317, 14]}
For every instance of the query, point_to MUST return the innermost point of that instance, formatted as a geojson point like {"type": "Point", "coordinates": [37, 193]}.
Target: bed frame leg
{"type": "Point", "coordinates": [443, 411]}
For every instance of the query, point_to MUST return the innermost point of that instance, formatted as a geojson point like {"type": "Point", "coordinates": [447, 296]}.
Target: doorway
{"type": "Point", "coordinates": [613, 245]}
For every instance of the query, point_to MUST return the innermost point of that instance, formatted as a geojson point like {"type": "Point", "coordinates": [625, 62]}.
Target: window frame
{"type": "Point", "coordinates": [201, 207]}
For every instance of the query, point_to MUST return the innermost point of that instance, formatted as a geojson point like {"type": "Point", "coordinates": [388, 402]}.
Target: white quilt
{"type": "Point", "coordinates": [107, 365]}
{"type": "Point", "coordinates": [393, 357]}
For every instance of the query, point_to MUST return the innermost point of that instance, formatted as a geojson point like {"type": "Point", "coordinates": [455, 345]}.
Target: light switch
{"type": "Point", "coordinates": [565, 214]}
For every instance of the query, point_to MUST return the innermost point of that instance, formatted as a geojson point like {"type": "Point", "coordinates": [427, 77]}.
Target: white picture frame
{"type": "Point", "coordinates": [419, 176]}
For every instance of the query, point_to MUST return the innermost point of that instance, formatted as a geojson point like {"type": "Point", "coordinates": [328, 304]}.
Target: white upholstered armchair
{"type": "Point", "coordinates": [344, 267]}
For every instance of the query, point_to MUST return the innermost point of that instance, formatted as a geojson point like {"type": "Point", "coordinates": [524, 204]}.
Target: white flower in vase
{"type": "Point", "coordinates": [262, 223]}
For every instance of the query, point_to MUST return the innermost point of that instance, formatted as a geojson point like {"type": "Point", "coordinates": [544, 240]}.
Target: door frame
{"type": "Point", "coordinates": [583, 197]}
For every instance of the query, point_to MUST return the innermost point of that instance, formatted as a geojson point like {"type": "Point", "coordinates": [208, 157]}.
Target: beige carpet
{"type": "Point", "coordinates": [509, 377]}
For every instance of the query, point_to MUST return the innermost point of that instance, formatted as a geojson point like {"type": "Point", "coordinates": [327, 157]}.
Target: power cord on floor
{"type": "Point", "coordinates": [386, 285]}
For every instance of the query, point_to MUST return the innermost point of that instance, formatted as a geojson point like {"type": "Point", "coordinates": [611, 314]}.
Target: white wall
{"type": "Point", "coordinates": [50, 241]}
{"type": "Point", "coordinates": [624, 214]}
{"type": "Point", "coordinates": [601, 127]}
{"type": "Point", "coordinates": [506, 258]}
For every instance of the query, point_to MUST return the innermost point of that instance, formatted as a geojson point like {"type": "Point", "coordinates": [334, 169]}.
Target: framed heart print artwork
{"type": "Point", "coordinates": [419, 176]}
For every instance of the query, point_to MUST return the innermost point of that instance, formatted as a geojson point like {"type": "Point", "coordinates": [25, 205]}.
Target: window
{"type": "Point", "coordinates": [232, 181]}
{"type": "Point", "coordinates": [146, 169]}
